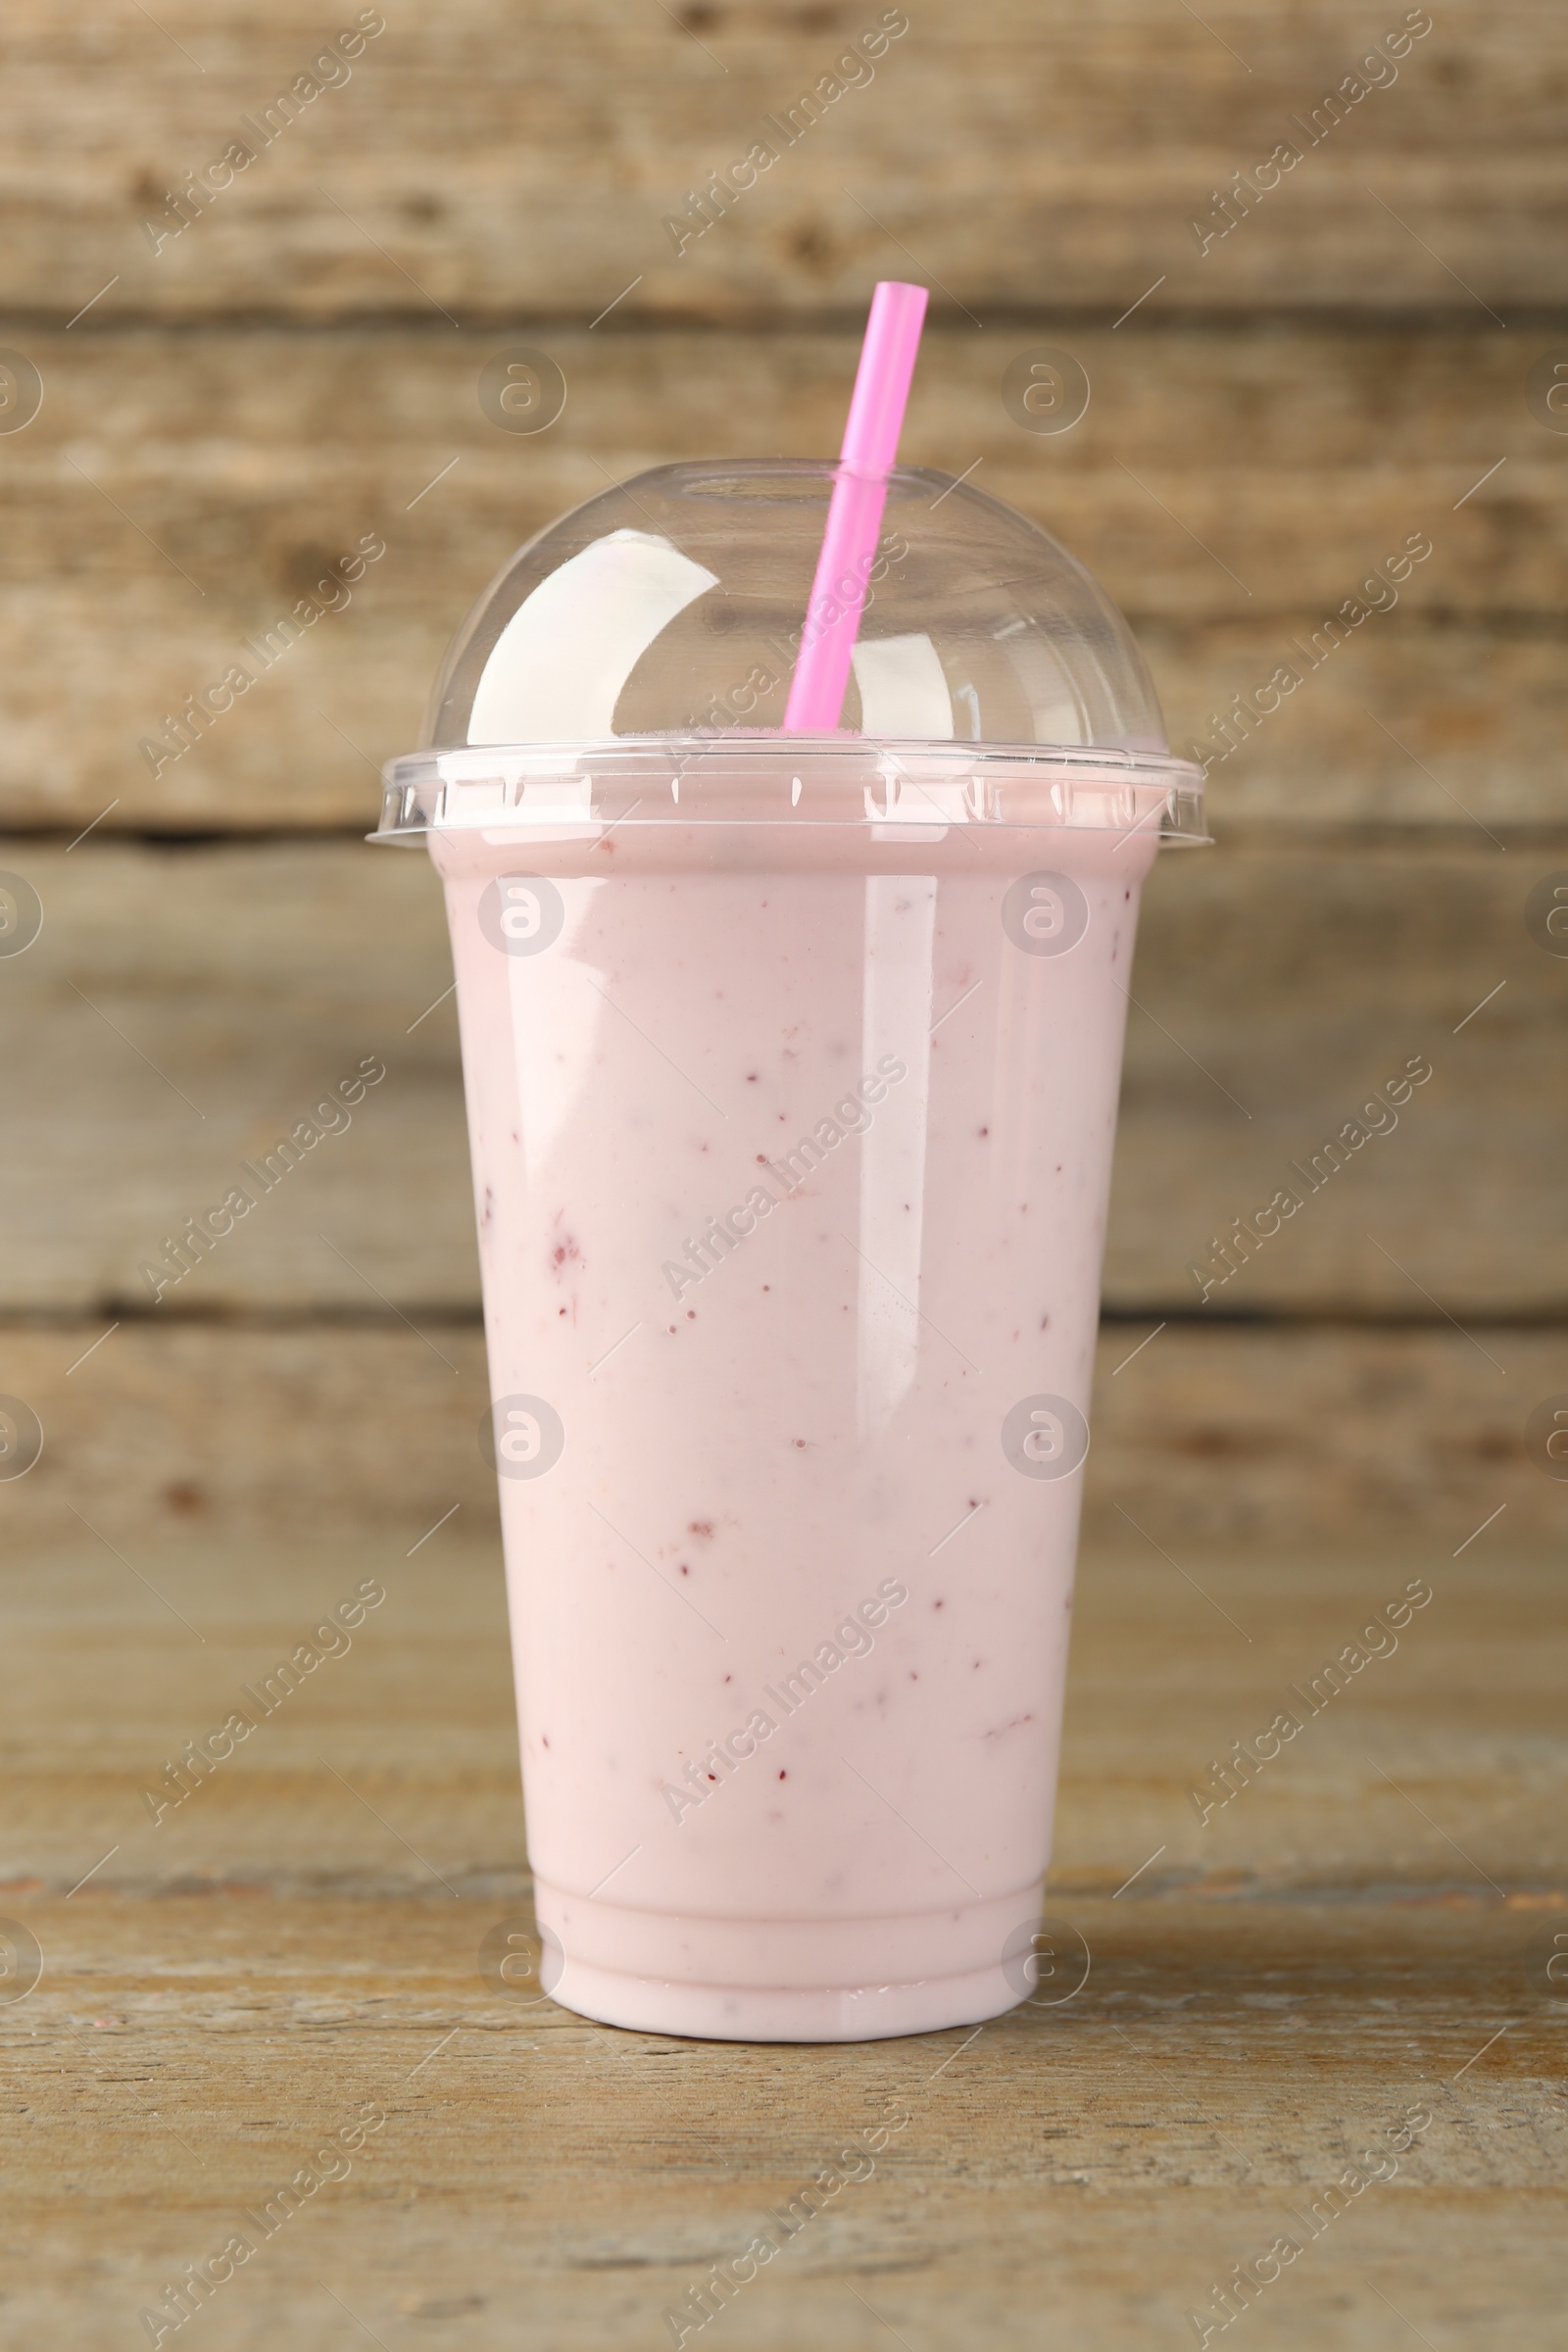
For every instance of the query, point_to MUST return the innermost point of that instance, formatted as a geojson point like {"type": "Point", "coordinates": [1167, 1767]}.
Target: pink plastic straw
{"type": "Point", "coordinates": [855, 513]}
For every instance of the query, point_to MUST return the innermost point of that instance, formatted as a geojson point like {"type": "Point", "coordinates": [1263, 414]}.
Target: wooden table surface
{"type": "Point", "coordinates": [1358, 1941]}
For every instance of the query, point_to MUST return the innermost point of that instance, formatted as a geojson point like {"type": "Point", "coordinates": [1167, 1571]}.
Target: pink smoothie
{"type": "Point", "coordinates": [790, 1151]}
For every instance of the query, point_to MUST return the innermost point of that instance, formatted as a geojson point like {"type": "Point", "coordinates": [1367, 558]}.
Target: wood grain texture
{"type": "Point", "coordinates": [1231, 486]}
{"type": "Point", "coordinates": [212, 997]}
{"type": "Point", "coordinates": [490, 162]}
{"type": "Point", "coordinates": [1270, 1435]}
{"type": "Point", "coordinates": [1324, 964]}
{"type": "Point", "coordinates": [184, 1007]}
{"type": "Point", "coordinates": [535, 2179]}
{"type": "Point", "coordinates": [1264, 2003]}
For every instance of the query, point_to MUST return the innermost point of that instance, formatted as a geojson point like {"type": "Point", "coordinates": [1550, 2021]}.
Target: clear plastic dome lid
{"type": "Point", "coordinates": [646, 643]}
{"type": "Point", "coordinates": [675, 606]}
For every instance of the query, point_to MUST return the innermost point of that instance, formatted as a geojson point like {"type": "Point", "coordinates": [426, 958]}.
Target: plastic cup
{"type": "Point", "coordinates": [792, 1068]}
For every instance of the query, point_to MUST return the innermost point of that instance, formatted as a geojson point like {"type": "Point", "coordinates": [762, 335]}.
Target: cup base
{"type": "Point", "coordinates": [776, 2013]}
{"type": "Point", "coordinates": [786, 1980]}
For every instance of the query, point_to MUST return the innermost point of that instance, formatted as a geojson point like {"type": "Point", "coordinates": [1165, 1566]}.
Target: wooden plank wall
{"type": "Point", "coordinates": [1275, 409]}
